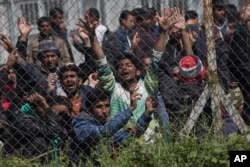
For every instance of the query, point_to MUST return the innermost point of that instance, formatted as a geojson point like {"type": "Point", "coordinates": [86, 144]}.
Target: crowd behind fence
{"type": "Point", "coordinates": [79, 74]}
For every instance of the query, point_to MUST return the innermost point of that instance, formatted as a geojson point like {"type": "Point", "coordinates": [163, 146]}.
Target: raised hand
{"type": "Point", "coordinates": [134, 97]}
{"type": "Point", "coordinates": [24, 28]}
{"type": "Point", "coordinates": [135, 43]}
{"type": "Point", "coordinates": [151, 103]}
{"type": "Point", "coordinates": [82, 34]}
{"type": "Point", "coordinates": [179, 18]}
{"type": "Point", "coordinates": [51, 79]}
{"type": "Point", "coordinates": [93, 79]}
{"type": "Point", "coordinates": [88, 27]}
{"type": "Point", "coordinates": [6, 43]}
{"type": "Point", "coordinates": [13, 58]}
{"type": "Point", "coordinates": [164, 20]}
{"type": "Point", "coordinates": [39, 102]}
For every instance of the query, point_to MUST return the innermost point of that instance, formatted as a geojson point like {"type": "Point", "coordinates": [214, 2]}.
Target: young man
{"type": "Point", "coordinates": [58, 25]}
{"type": "Point", "coordinates": [126, 21]}
{"type": "Point", "coordinates": [144, 23]}
{"type": "Point", "coordinates": [94, 124]}
{"type": "Point", "coordinates": [220, 18]}
{"type": "Point", "coordinates": [71, 82]}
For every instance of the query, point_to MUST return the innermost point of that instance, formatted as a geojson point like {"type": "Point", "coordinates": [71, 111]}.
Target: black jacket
{"type": "Point", "coordinates": [25, 131]}
{"type": "Point", "coordinates": [179, 96]}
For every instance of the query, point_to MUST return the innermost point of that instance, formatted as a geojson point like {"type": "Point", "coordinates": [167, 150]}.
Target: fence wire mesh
{"type": "Point", "coordinates": [75, 74]}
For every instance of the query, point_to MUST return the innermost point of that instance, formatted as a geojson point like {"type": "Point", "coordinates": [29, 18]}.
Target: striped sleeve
{"type": "Point", "coordinates": [106, 76]}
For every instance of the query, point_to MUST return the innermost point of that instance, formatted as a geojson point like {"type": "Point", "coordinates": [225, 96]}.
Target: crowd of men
{"type": "Point", "coordinates": [145, 76]}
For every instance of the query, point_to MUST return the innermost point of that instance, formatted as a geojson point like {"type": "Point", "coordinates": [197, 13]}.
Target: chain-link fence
{"type": "Point", "coordinates": [72, 71]}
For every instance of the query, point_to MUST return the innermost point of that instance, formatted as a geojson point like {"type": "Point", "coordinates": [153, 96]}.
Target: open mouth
{"type": "Point", "coordinates": [70, 86]}
{"type": "Point", "coordinates": [125, 74]}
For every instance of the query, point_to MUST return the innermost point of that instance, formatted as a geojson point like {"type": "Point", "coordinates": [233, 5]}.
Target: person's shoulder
{"type": "Point", "coordinates": [57, 39]}
{"type": "Point", "coordinates": [83, 118]}
{"type": "Point", "coordinates": [34, 41]}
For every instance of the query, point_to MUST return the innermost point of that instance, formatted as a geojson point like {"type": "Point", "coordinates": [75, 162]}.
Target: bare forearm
{"type": "Point", "coordinates": [23, 37]}
{"type": "Point", "coordinates": [161, 42]}
{"type": "Point", "coordinates": [97, 48]}
{"type": "Point", "coordinates": [186, 41]}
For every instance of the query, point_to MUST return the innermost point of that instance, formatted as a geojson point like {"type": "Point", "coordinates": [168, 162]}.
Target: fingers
{"type": "Point", "coordinates": [21, 20]}
{"type": "Point", "coordinates": [3, 37]}
{"type": "Point", "coordinates": [93, 76]}
{"type": "Point", "coordinates": [136, 35]}
{"type": "Point", "coordinates": [33, 97]}
{"type": "Point", "coordinates": [137, 96]}
{"type": "Point", "coordinates": [151, 102]}
{"type": "Point", "coordinates": [15, 52]}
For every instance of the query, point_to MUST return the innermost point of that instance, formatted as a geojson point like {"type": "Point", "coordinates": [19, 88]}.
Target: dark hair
{"type": "Point", "coordinates": [86, 69]}
{"type": "Point", "coordinates": [134, 60]}
{"type": "Point", "coordinates": [152, 11]}
{"type": "Point", "coordinates": [54, 11]}
{"type": "Point", "coordinates": [94, 13]}
{"type": "Point", "coordinates": [71, 67]}
{"type": "Point", "coordinates": [43, 19]}
{"type": "Point", "coordinates": [61, 100]}
{"type": "Point", "coordinates": [141, 14]}
{"type": "Point", "coordinates": [124, 15]}
{"type": "Point", "coordinates": [98, 94]}
{"type": "Point", "coordinates": [218, 4]}
{"type": "Point", "coordinates": [232, 13]}
{"type": "Point", "coordinates": [191, 14]}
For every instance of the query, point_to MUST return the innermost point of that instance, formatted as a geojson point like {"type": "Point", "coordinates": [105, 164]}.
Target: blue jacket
{"type": "Point", "coordinates": [87, 131]}
{"type": "Point", "coordinates": [123, 38]}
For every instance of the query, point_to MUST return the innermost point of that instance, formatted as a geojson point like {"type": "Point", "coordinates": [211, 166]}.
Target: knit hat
{"type": "Point", "coordinates": [191, 68]}
{"type": "Point", "coordinates": [47, 46]}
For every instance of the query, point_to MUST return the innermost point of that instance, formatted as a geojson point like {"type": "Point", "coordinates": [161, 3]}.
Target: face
{"type": "Point", "coordinates": [59, 19]}
{"type": "Point", "coordinates": [175, 33]}
{"type": "Point", "coordinates": [127, 70]}
{"type": "Point", "coordinates": [49, 60]}
{"type": "Point", "coordinates": [62, 112]}
{"type": "Point", "coordinates": [89, 17]}
{"type": "Point", "coordinates": [219, 14]}
{"type": "Point", "coordinates": [129, 22]}
{"type": "Point", "coordinates": [146, 62]}
{"type": "Point", "coordinates": [146, 23]}
{"type": "Point", "coordinates": [70, 82]}
{"type": "Point", "coordinates": [12, 75]}
{"type": "Point", "coordinates": [45, 28]}
{"type": "Point", "coordinates": [100, 110]}
{"type": "Point", "coordinates": [196, 21]}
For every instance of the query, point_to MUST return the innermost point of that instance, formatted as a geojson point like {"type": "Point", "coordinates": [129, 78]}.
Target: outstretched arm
{"type": "Point", "coordinates": [106, 76]}
{"type": "Point", "coordinates": [24, 28]}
